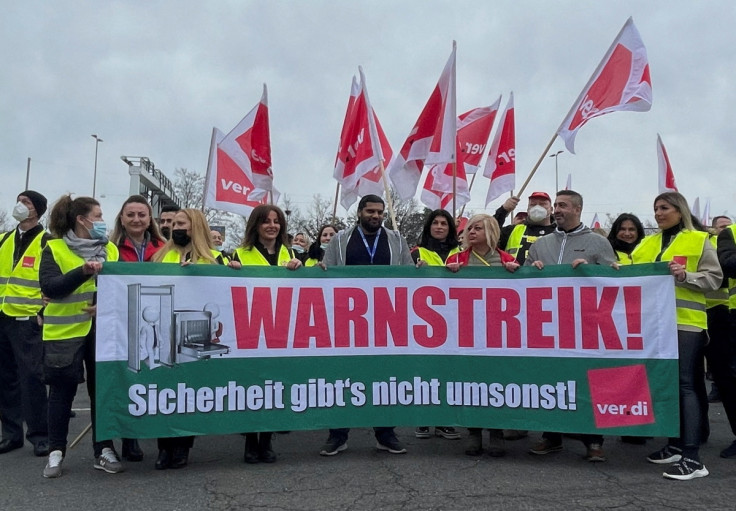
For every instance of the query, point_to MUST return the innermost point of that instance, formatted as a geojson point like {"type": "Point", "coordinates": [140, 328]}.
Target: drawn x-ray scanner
{"type": "Point", "coordinates": [150, 326]}
{"type": "Point", "coordinates": [194, 336]}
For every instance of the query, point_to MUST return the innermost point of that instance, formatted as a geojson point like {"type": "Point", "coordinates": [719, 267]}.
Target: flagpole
{"type": "Point", "coordinates": [472, 180]}
{"type": "Point", "coordinates": [389, 200]}
{"type": "Point", "coordinates": [213, 145]}
{"type": "Point", "coordinates": [539, 162]}
{"type": "Point", "coordinates": [334, 208]}
{"type": "Point", "coordinates": [454, 181]}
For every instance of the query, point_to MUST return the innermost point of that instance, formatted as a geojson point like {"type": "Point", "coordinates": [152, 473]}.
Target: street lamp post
{"type": "Point", "coordinates": [94, 176]}
{"type": "Point", "coordinates": [557, 182]}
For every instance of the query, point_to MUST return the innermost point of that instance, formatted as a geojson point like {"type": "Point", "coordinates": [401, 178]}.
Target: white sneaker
{"type": "Point", "coordinates": [53, 466]}
{"type": "Point", "coordinates": [108, 461]}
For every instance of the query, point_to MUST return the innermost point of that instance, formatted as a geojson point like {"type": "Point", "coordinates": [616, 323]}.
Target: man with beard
{"type": "Point", "coordinates": [575, 244]}
{"type": "Point", "coordinates": [166, 220]}
{"type": "Point", "coordinates": [516, 239]}
{"type": "Point", "coordinates": [367, 243]}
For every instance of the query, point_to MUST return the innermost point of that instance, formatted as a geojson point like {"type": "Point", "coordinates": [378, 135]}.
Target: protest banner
{"type": "Point", "coordinates": [210, 350]}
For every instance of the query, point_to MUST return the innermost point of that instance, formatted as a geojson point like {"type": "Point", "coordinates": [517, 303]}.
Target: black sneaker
{"type": "Point", "coordinates": [333, 446]}
{"type": "Point", "coordinates": [730, 451]}
{"type": "Point", "coordinates": [447, 432]}
{"type": "Point", "coordinates": [391, 445]}
{"type": "Point", "coordinates": [422, 432]}
{"type": "Point", "coordinates": [686, 469]}
{"type": "Point", "coordinates": [667, 454]}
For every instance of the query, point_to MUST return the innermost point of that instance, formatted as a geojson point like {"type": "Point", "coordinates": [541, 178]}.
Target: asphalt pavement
{"type": "Point", "coordinates": [434, 475]}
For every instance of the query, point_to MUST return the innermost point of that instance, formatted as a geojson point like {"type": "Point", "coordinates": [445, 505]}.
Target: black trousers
{"type": "Point", "coordinates": [721, 356]}
{"type": "Point", "coordinates": [23, 395]}
{"type": "Point", "coordinates": [61, 397]}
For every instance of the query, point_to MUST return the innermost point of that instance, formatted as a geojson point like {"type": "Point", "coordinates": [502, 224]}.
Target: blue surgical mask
{"type": "Point", "coordinates": [98, 231]}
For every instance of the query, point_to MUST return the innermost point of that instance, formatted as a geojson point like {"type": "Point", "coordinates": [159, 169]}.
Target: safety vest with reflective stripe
{"type": "Point", "coordinates": [720, 295]}
{"type": "Point", "coordinates": [732, 282]}
{"type": "Point", "coordinates": [252, 256]}
{"type": "Point", "coordinates": [174, 256]}
{"type": "Point", "coordinates": [690, 303]}
{"type": "Point", "coordinates": [432, 258]}
{"type": "Point", "coordinates": [20, 291]}
{"type": "Point", "coordinates": [65, 318]}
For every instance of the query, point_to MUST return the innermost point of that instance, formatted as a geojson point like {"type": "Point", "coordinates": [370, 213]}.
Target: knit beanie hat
{"type": "Point", "coordinates": [38, 201]}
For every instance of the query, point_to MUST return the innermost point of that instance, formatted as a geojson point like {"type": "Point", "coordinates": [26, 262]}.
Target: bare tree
{"type": "Point", "coordinates": [5, 221]}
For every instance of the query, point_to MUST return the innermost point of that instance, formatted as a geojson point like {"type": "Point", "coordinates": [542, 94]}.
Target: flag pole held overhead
{"type": "Point", "coordinates": [621, 82]}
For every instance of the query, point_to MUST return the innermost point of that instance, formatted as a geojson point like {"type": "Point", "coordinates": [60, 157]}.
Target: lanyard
{"type": "Point", "coordinates": [371, 253]}
{"type": "Point", "coordinates": [480, 258]}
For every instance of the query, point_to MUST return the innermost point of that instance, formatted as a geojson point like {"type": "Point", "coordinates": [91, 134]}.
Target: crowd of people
{"type": "Point", "coordinates": [48, 303]}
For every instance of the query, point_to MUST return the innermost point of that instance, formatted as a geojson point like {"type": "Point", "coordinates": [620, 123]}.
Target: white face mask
{"type": "Point", "coordinates": [538, 214]}
{"type": "Point", "coordinates": [21, 212]}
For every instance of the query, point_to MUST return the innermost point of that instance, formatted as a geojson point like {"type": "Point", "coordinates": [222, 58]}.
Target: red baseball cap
{"type": "Point", "coordinates": [540, 195]}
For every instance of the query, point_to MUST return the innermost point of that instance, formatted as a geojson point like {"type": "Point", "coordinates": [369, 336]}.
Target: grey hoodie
{"type": "Point", "coordinates": [336, 250]}
{"type": "Point", "coordinates": [560, 247]}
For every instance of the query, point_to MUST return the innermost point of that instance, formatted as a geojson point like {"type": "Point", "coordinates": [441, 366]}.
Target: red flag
{"type": "Point", "coordinates": [473, 129]}
{"type": "Point", "coordinates": [227, 187]}
{"type": "Point", "coordinates": [436, 199]}
{"type": "Point", "coordinates": [568, 183]}
{"type": "Point", "coordinates": [666, 176]}
{"type": "Point", "coordinates": [432, 139]}
{"type": "Point", "coordinates": [595, 223]}
{"type": "Point", "coordinates": [621, 82]}
{"type": "Point", "coordinates": [249, 145]}
{"type": "Point", "coordinates": [501, 163]}
{"type": "Point", "coordinates": [357, 165]}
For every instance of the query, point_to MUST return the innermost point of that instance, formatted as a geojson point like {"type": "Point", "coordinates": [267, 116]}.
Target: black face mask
{"type": "Point", "coordinates": [180, 237]}
{"type": "Point", "coordinates": [166, 232]}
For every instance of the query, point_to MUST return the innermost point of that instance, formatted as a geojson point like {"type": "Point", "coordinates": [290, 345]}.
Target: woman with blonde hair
{"type": "Point", "coordinates": [67, 275]}
{"type": "Point", "coordinates": [481, 249]}
{"type": "Point", "coordinates": [190, 241]}
{"type": "Point", "coordinates": [693, 263]}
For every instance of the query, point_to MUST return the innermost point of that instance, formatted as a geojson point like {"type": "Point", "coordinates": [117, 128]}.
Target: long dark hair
{"type": "Point", "coordinates": [258, 216]}
{"type": "Point", "coordinates": [617, 227]}
{"type": "Point", "coordinates": [451, 240]}
{"type": "Point", "coordinates": [315, 249]}
{"type": "Point", "coordinates": [63, 216]}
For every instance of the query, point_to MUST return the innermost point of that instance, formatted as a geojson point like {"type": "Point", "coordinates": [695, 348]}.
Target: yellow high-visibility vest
{"type": "Point", "coordinates": [690, 304]}
{"type": "Point", "coordinates": [174, 256]}
{"type": "Point", "coordinates": [20, 292]}
{"type": "Point", "coordinates": [65, 318]}
{"type": "Point", "coordinates": [432, 258]}
{"type": "Point", "coordinates": [252, 257]}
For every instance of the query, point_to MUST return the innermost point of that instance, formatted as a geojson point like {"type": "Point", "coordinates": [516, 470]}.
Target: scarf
{"type": "Point", "coordinates": [87, 249]}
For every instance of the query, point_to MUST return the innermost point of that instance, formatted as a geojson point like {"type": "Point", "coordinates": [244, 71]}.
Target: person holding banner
{"type": "Point", "coordinates": [693, 262]}
{"type": "Point", "coordinates": [367, 243]}
{"type": "Point", "coordinates": [317, 249]}
{"type": "Point", "coordinates": [265, 244]}
{"type": "Point", "coordinates": [481, 249]}
{"type": "Point", "coordinates": [570, 243]}
{"type": "Point", "coordinates": [190, 243]}
{"type": "Point", "coordinates": [438, 241]}
{"type": "Point", "coordinates": [138, 238]}
{"type": "Point", "coordinates": [69, 266]}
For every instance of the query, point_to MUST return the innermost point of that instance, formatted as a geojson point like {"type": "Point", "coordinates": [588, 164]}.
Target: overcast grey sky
{"type": "Point", "coordinates": [152, 79]}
